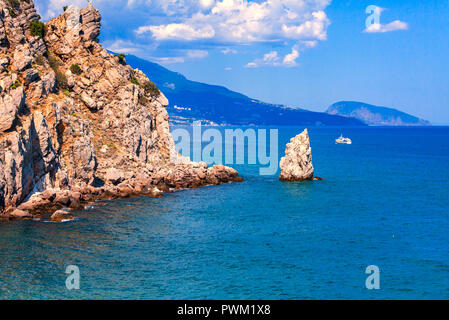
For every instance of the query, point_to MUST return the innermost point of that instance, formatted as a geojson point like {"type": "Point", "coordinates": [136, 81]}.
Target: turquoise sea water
{"type": "Point", "coordinates": [384, 202]}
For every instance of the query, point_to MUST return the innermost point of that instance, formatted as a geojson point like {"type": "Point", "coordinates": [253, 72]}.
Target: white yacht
{"type": "Point", "coordinates": [343, 140]}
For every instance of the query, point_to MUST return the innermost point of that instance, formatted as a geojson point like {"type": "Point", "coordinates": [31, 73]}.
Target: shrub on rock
{"type": "Point", "coordinates": [13, 3]}
{"type": "Point", "coordinates": [151, 88]}
{"type": "Point", "coordinates": [121, 57]}
{"type": "Point", "coordinates": [16, 84]}
{"type": "Point", "coordinates": [37, 28]}
{"type": "Point", "coordinates": [75, 69]}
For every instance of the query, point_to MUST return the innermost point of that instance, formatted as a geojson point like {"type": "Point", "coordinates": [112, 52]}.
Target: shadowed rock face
{"type": "Point", "coordinates": [67, 138]}
{"type": "Point", "coordinates": [297, 163]}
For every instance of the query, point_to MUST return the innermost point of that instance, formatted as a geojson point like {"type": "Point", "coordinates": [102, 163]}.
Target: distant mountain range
{"type": "Point", "coordinates": [190, 101]}
{"type": "Point", "coordinates": [216, 105]}
{"type": "Point", "coordinates": [374, 115]}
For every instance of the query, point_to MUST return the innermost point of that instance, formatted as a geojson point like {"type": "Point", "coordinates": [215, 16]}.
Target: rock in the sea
{"type": "Point", "coordinates": [37, 205]}
{"type": "Point", "coordinates": [297, 163]}
{"type": "Point", "coordinates": [20, 214]}
{"type": "Point", "coordinates": [61, 216]}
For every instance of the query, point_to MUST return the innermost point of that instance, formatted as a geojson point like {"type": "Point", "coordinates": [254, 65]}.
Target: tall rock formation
{"type": "Point", "coordinates": [297, 163]}
{"type": "Point", "coordinates": [77, 123]}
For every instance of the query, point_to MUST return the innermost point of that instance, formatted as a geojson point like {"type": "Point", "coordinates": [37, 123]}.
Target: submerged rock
{"type": "Point", "coordinates": [297, 163]}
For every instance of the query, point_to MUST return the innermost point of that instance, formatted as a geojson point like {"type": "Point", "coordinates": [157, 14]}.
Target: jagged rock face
{"type": "Point", "coordinates": [91, 19]}
{"type": "Point", "coordinates": [15, 18]}
{"type": "Point", "coordinates": [297, 163]}
{"type": "Point", "coordinates": [71, 111]}
{"type": "Point", "coordinates": [13, 103]}
{"type": "Point", "coordinates": [28, 159]}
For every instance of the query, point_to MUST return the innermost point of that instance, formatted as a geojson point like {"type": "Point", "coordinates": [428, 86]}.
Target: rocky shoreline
{"type": "Point", "coordinates": [57, 205]}
{"type": "Point", "coordinates": [77, 124]}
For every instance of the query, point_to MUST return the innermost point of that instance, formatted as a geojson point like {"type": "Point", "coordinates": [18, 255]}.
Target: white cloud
{"type": "Point", "coordinates": [197, 54]}
{"type": "Point", "coordinates": [172, 7]}
{"type": "Point", "coordinates": [314, 28]}
{"type": "Point", "coordinates": [272, 59]}
{"type": "Point", "coordinates": [178, 31]}
{"type": "Point", "coordinates": [382, 28]}
{"type": "Point", "coordinates": [228, 69]}
{"type": "Point", "coordinates": [243, 21]}
{"type": "Point", "coordinates": [290, 59]}
{"type": "Point", "coordinates": [229, 51]}
{"type": "Point", "coordinates": [310, 44]}
{"type": "Point", "coordinates": [122, 46]}
{"type": "Point", "coordinates": [167, 60]}
{"type": "Point", "coordinates": [170, 85]}
{"type": "Point", "coordinates": [206, 4]}
{"type": "Point", "coordinates": [376, 27]}
{"type": "Point", "coordinates": [204, 24]}
{"type": "Point", "coordinates": [269, 59]}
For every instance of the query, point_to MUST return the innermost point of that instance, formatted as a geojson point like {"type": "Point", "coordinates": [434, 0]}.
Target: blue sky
{"type": "Point", "coordinates": [305, 53]}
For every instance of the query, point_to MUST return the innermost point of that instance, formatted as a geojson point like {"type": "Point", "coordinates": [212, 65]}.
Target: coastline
{"type": "Point", "coordinates": [50, 201]}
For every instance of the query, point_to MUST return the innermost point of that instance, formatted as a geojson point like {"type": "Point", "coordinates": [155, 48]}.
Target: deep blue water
{"type": "Point", "coordinates": [384, 202]}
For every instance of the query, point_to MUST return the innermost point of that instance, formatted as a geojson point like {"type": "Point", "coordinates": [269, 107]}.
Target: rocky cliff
{"type": "Point", "coordinates": [76, 123]}
{"type": "Point", "coordinates": [297, 163]}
